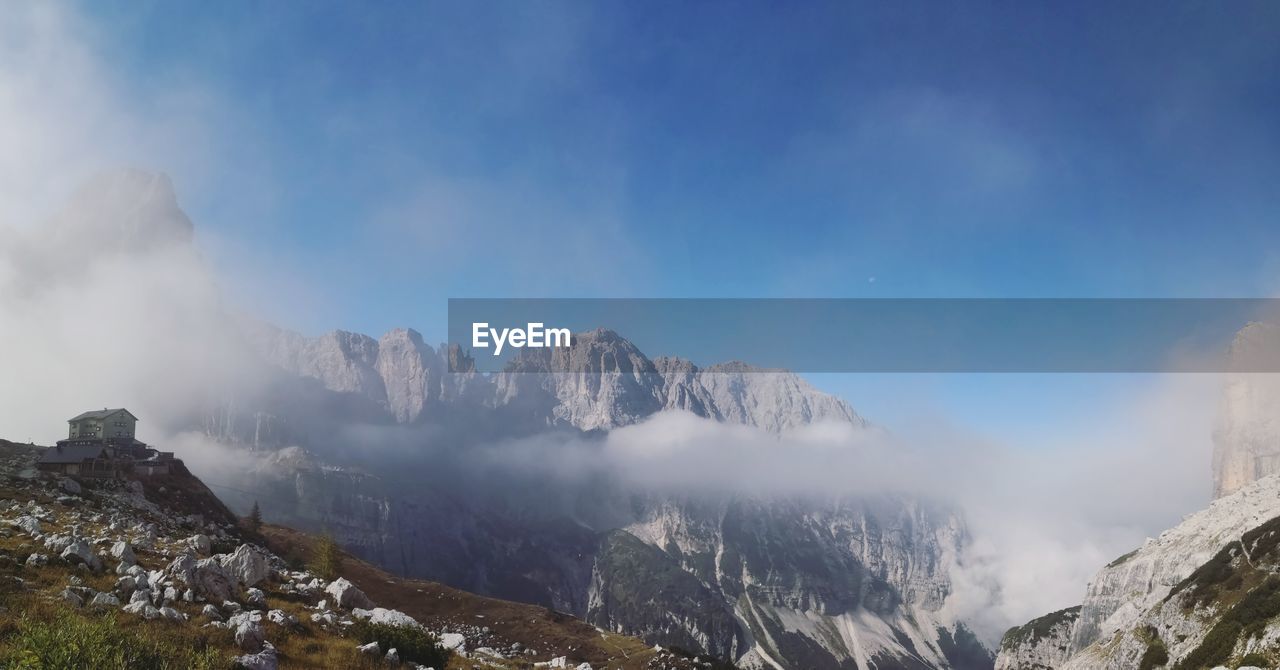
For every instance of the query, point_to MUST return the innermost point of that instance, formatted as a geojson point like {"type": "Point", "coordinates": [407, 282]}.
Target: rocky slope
{"type": "Point", "coordinates": [1127, 604]}
{"type": "Point", "coordinates": [138, 552]}
{"type": "Point", "coordinates": [1040, 644]}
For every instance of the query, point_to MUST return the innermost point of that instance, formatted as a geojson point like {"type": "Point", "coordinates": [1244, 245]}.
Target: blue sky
{"type": "Point", "coordinates": [374, 159]}
{"type": "Point", "coordinates": [415, 151]}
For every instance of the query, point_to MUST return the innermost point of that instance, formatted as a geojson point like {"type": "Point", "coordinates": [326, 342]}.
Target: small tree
{"type": "Point", "coordinates": [255, 518]}
{"type": "Point", "coordinates": [326, 562]}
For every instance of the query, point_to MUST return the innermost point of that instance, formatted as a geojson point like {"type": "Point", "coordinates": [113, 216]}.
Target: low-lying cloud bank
{"type": "Point", "coordinates": [1043, 517]}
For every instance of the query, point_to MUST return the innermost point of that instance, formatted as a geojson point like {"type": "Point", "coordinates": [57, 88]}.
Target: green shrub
{"type": "Point", "coordinates": [1156, 656]}
{"type": "Point", "coordinates": [412, 644]}
{"type": "Point", "coordinates": [1247, 619]}
{"type": "Point", "coordinates": [71, 642]}
{"type": "Point", "coordinates": [1255, 659]}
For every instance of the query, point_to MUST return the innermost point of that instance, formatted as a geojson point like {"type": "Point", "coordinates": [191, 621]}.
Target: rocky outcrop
{"type": "Point", "coordinates": [1131, 584]}
{"type": "Point", "coordinates": [1246, 436]}
{"type": "Point", "coordinates": [411, 373]}
{"type": "Point", "coordinates": [1161, 604]}
{"type": "Point", "coordinates": [1040, 644]}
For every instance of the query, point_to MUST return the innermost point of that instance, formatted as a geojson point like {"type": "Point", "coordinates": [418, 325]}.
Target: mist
{"type": "Point", "coordinates": [126, 311]}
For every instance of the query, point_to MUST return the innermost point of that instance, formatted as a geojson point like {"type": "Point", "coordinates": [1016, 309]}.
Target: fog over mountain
{"type": "Point", "coordinates": [540, 486]}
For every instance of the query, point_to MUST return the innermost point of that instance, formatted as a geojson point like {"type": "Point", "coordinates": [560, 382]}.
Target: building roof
{"type": "Point", "coordinates": [101, 414]}
{"type": "Point", "coordinates": [71, 453]}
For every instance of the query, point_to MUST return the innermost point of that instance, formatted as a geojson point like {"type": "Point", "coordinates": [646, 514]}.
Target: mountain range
{"type": "Point", "coordinates": [492, 482]}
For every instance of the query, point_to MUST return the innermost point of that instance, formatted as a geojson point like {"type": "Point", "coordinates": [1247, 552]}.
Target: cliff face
{"type": "Point", "coordinates": [770, 582]}
{"type": "Point", "coordinates": [791, 583]}
{"type": "Point", "coordinates": [1247, 434]}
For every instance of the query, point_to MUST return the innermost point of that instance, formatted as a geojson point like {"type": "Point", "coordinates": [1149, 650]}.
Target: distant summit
{"type": "Point", "coordinates": [122, 210]}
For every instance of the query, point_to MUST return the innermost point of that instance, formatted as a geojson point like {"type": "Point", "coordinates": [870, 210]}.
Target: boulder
{"type": "Point", "coordinates": [263, 660]}
{"type": "Point", "coordinates": [121, 551]}
{"type": "Point", "coordinates": [347, 596]}
{"type": "Point", "coordinates": [370, 649]}
{"type": "Point", "coordinates": [142, 609]}
{"type": "Point", "coordinates": [79, 552]}
{"type": "Point", "coordinates": [56, 543]}
{"type": "Point", "coordinates": [453, 642]}
{"type": "Point", "coordinates": [200, 544]}
{"type": "Point", "coordinates": [206, 577]}
{"type": "Point", "coordinates": [172, 614]}
{"type": "Point", "coordinates": [70, 486]}
{"type": "Point", "coordinates": [140, 596]}
{"type": "Point", "coordinates": [255, 597]}
{"type": "Point", "coordinates": [37, 560]}
{"type": "Point", "coordinates": [71, 598]}
{"type": "Point", "coordinates": [246, 564]}
{"type": "Point", "coordinates": [125, 586]}
{"type": "Point", "coordinates": [182, 568]}
{"type": "Point", "coordinates": [393, 656]}
{"type": "Point", "coordinates": [210, 612]}
{"type": "Point", "coordinates": [281, 618]}
{"type": "Point", "coordinates": [324, 618]}
{"type": "Point", "coordinates": [104, 601]}
{"type": "Point", "coordinates": [250, 636]}
{"type": "Point", "coordinates": [386, 616]}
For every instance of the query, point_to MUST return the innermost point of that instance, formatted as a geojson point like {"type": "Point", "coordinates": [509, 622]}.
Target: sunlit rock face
{"type": "Point", "coordinates": [1247, 433]}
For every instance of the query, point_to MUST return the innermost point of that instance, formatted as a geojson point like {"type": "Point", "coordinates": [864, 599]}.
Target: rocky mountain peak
{"type": "Point", "coordinates": [410, 371]}
{"type": "Point", "coordinates": [123, 210]}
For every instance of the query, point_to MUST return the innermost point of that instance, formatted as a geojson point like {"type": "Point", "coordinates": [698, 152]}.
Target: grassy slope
{"type": "Point", "coordinates": [31, 607]}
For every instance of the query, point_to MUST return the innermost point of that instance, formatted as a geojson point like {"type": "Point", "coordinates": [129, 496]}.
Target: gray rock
{"type": "Point", "coordinates": [389, 617]}
{"type": "Point", "coordinates": [125, 586]}
{"type": "Point", "coordinates": [205, 576]}
{"type": "Point", "coordinates": [210, 612]}
{"type": "Point", "coordinates": [104, 601]}
{"type": "Point", "coordinates": [143, 609]}
{"type": "Point", "coordinates": [200, 544]}
{"type": "Point", "coordinates": [79, 552]}
{"type": "Point", "coordinates": [347, 596]}
{"type": "Point", "coordinates": [281, 618]}
{"type": "Point", "coordinates": [121, 551]}
{"type": "Point", "coordinates": [72, 598]}
{"type": "Point", "coordinates": [256, 597]}
{"type": "Point", "coordinates": [263, 660]}
{"type": "Point", "coordinates": [70, 486]}
{"type": "Point", "coordinates": [250, 635]}
{"type": "Point", "coordinates": [172, 614]}
{"type": "Point", "coordinates": [370, 649]}
{"type": "Point", "coordinates": [247, 565]}
{"type": "Point", "coordinates": [27, 524]}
